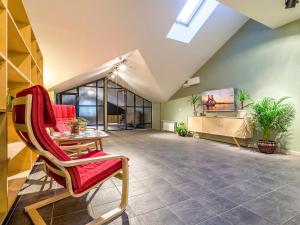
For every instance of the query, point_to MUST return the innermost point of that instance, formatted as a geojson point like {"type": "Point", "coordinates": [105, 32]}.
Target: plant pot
{"type": "Point", "coordinates": [75, 129]}
{"type": "Point", "coordinates": [195, 113]}
{"type": "Point", "coordinates": [242, 113]}
{"type": "Point", "coordinates": [267, 147]}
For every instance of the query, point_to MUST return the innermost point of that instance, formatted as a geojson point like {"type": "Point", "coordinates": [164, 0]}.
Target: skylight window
{"type": "Point", "coordinates": [188, 11]}
{"type": "Point", "coordinates": [191, 18]}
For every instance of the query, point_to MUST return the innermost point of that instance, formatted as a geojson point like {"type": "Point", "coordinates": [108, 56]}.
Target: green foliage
{"type": "Point", "coordinates": [243, 96]}
{"type": "Point", "coordinates": [78, 121]}
{"type": "Point", "coordinates": [181, 129]}
{"type": "Point", "coordinates": [194, 100]}
{"type": "Point", "coordinates": [271, 115]}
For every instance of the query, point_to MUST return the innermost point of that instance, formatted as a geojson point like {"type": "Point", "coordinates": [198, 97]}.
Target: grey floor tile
{"type": "Point", "coordinates": [131, 221]}
{"type": "Point", "coordinates": [144, 203]}
{"type": "Point", "coordinates": [242, 216]}
{"type": "Point", "coordinates": [218, 220]}
{"type": "Point", "coordinates": [159, 217]}
{"type": "Point", "coordinates": [170, 195]}
{"type": "Point", "coordinates": [78, 218]}
{"type": "Point", "coordinates": [191, 212]}
{"type": "Point", "coordinates": [243, 192]}
{"type": "Point", "coordinates": [275, 206]}
{"type": "Point", "coordinates": [135, 188]}
{"type": "Point", "coordinates": [294, 221]}
{"type": "Point", "coordinates": [192, 189]}
{"type": "Point", "coordinates": [220, 204]}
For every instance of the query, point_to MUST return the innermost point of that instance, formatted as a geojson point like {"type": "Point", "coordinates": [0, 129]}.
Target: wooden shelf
{"type": "Point", "coordinates": [15, 40]}
{"type": "Point", "coordinates": [14, 149]}
{"type": "Point", "coordinates": [15, 75]}
{"type": "Point", "coordinates": [21, 65]}
{"type": "Point", "coordinates": [15, 184]}
{"type": "Point", "coordinates": [2, 6]}
{"type": "Point", "coordinates": [17, 10]}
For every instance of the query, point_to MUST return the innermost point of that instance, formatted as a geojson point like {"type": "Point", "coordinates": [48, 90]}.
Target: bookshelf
{"type": "Point", "coordinates": [21, 66]}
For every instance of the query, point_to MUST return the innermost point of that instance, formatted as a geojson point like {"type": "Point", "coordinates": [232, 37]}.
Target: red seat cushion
{"type": "Point", "coordinates": [63, 114]}
{"type": "Point", "coordinates": [42, 116]}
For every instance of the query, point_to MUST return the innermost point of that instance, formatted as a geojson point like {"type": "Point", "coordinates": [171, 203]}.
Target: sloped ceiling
{"type": "Point", "coordinates": [78, 38]}
{"type": "Point", "coordinates": [271, 13]}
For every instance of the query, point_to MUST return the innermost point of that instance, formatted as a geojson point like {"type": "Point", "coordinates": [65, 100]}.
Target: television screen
{"type": "Point", "coordinates": [218, 100]}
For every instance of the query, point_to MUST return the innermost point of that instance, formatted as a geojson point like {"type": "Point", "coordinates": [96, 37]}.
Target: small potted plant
{"type": "Point", "coordinates": [272, 116]}
{"type": "Point", "coordinates": [242, 97]}
{"type": "Point", "coordinates": [181, 129]}
{"type": "Point", "coordinates": [78, 124]}
{"type": "Point", "coordinates": [194, 100]}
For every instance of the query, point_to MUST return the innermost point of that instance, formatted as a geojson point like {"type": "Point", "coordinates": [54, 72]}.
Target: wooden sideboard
{"type": "Point", "coordinates": [234, 127]}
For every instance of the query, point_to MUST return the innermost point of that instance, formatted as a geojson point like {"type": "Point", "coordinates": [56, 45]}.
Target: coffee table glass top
{"type": "Point", "coordinates": [89, 134]}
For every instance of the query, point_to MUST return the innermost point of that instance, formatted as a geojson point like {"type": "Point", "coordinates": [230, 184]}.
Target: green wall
{"type": "Point", "coordinates": [265, 62]}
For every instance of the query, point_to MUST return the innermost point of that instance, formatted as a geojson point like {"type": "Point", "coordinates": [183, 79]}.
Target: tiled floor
{"type": "Point", "coordinates": [184, 181]}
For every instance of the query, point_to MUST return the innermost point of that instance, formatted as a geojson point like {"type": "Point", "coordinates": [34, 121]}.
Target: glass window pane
{"type": "Point", "coordinates": [130, 98]}
{"type": "Point", "coordinates": [147, 115]}
{"type": "Point", "coordinates": [100, 96]}
{"type": "Point", "coordinates": [116, 97]}
{"type": "Point", "coordinates": [113, 85]}
{"type": "Point", "coordinates": [147, 103]}
{"type": "Point", "coordinates": [68, 99]}
{"type": "Point", "coordinates": [100, 115]}
{"type": "Point", "coordinates": [87, 96]}
{"type": "Point", "coordinates": [89, 113]}
{"type": "Point", "coordinates": [139, 117]}
{"type": "Point", "coordinates": [138, 101]}
{"type": "Point", "coordinates": [130, 118]}
{"type": "Point", "coordinates": [100, 83]}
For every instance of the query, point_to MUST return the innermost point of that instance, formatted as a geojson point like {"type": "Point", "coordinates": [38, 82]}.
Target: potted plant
{"type": "Point", "coordinates": [272, 116]}
{"type": "Point", "coordinates": [242, 97]}
{"type": "Point", "coordinates": [78, 124]}
{"type": "Point", "coordinates": [181, 129]}
{"type": "Point", "coordinates": [194, 100]}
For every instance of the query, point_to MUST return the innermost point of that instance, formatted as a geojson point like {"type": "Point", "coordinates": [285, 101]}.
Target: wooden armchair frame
{"type": "Point", "coordinates": [61, 170]}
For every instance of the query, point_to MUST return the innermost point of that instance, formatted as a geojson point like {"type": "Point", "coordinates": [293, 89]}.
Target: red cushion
{"type": "Point", "coordinates": [42, 116]}
{"type": "Point", "coordinates": [63, 114]}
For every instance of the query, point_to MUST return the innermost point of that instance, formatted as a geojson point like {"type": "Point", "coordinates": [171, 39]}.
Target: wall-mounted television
{"type": "Point", "coordinates": [218, 100]}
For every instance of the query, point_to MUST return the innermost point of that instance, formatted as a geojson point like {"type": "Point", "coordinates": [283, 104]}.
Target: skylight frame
{"type": "Point", "coordinates": [192, 13]}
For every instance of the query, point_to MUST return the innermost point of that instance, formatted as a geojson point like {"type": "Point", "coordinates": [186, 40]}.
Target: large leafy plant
{"type": "Point", "coordinates": [273, 115]}
{"type": "Point", "coordinates": [181, 129]}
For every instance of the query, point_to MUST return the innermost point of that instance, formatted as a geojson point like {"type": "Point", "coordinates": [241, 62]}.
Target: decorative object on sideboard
{"type": "Point", "coordinates": [9, 99]}
{"type": "Point", "coordinates": [181, 129]}
{"type": "Point", "coordinates": [194, 100]}
{"type": "Point", "coordinates": [243, 96]}
{"type": "Point", "coordinates": [272, 117]}
{"type": "Point", "coordinates": [78, 124]}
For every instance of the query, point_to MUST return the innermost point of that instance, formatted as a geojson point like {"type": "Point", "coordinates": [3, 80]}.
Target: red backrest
{"type": "Point", "coordinates": [63, 114]}
{"type": "Point", "coordinates": [42, 116]}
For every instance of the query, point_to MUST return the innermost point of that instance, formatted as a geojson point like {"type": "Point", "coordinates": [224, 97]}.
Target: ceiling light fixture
{"type": "Point", "coordinates": [291, 3]}
{"type": "Point", "coordinates": [122, 67]}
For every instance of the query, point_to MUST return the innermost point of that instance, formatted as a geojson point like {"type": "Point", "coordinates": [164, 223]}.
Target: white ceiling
{"type": "Point", "coordinates": [271, 13]}
{"type": "Point", "coordinates": [77, 37]}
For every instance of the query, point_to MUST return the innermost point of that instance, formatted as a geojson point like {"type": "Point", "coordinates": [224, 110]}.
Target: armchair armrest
{"type": "Point", "coordinates": [77, 162]}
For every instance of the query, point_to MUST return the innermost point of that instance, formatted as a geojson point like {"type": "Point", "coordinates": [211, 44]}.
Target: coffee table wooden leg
{"type": "Point", "coordinates": [100, 143]}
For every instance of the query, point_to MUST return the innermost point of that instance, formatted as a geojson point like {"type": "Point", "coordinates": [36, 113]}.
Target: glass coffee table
{"type": "Point", "coordinates": [78, 142]}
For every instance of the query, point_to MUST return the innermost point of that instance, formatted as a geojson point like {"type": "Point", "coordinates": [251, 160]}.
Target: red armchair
{"type": "Point", "coordinates": [32, 113]}
{"type": "Point", "coordinates": [63, 115]}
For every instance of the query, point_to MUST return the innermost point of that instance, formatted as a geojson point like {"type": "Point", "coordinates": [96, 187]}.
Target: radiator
{"type": "Point", "coordinates": [168, 126]}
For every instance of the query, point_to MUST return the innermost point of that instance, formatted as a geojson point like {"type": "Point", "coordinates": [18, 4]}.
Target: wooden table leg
{"type": "Point", "coordinates": [236, 142]}
{"type": "Point", "coordinates": [100, 143]}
